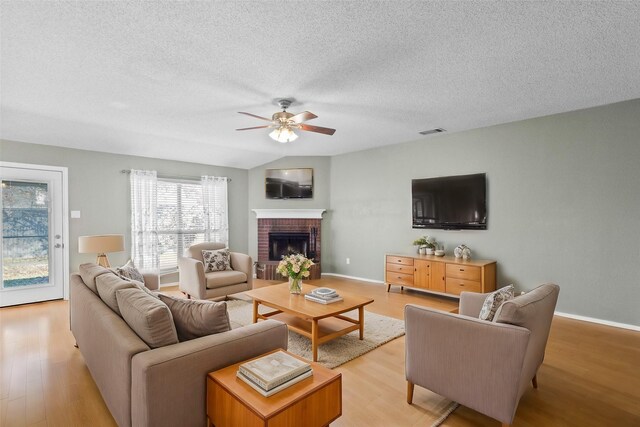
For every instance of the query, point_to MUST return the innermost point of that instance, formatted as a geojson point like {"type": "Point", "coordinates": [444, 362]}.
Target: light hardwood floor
{"type": "Point", "coordinates": [590, 376]}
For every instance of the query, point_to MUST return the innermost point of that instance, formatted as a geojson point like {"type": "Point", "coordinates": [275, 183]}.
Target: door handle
{"type": "Point", "coordinates": [58, 245]}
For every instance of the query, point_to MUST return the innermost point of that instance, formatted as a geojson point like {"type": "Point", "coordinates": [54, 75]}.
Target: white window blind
{"type": "Point", "coordinates": [181, 219]}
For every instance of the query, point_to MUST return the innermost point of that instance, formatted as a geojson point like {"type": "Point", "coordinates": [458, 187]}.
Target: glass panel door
{"type": "Point", "coordinates": [31, 234]}
{"type": "Point", "coordinates": [25, 234]}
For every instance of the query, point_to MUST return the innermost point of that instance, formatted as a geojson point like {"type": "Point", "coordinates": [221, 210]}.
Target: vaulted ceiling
{"type": "Point", "coordinates": [166, 79]}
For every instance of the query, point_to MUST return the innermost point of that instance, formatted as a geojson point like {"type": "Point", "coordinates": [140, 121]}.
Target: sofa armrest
{"type": "Point", "coordinates": [151, 280]}
{"type": "Point", "coordinates": [169, 383]}
{"type": "Point", "coordinates": [471, 303]}
{"type": "Point", "coordinates": [107, 345]}
{"type": "Point", "coordinates": [192, 279]}
{"type": "Point", "coordinates": [471, 361]}
{"type": "Point", "coordinates": [242, 262]}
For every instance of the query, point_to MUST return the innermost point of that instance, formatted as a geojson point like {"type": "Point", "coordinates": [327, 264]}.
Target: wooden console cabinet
{"type": "Point", "coordinates": [444, 275]}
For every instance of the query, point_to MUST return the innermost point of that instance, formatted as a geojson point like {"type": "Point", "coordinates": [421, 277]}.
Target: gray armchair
{"type": "Point", "coordinates": [486, 366]}
{"type": "Point", "coordinates": [194, 282]}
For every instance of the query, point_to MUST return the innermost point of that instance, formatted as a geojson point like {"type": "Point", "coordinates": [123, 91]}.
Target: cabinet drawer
{"type": "Point", "coordinates": [400, 279]}
{"type": "Point", "coordinates": [461, 271]}
{"type": "Point", "coordinates": [400, 268]}
{"type": "Point", "coordinates": [455, 286]}
{"type": "Point", "coordinates": [399, 260]}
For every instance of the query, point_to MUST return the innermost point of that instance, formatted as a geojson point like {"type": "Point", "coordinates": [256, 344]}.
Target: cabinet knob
{"type": "Point", "coordinates": [462, 269]}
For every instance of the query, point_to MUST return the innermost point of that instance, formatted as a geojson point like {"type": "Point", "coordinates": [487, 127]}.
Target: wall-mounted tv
{"type": "Point", "coordinates": [450, 202]}
{"type": "Point", "coordinates": [289, 183]}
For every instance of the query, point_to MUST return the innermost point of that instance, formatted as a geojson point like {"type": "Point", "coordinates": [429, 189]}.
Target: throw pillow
{"type": "Point", "coordinates": [494, 300]}
{"type": "Point", "coordinates": [197, 318]}
{"type": "Point", "coordinates": [129, 271]}
{"type": "Point", "coordinates": [89, 272]}
{"type": "Point", "coordinates": [108, 285]}
{"type": "Point", "coordinates": [216, 260]}
{"type": "Point", "coordinates": [149, 317]}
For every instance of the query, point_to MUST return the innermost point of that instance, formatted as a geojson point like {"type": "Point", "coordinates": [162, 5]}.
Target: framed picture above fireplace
{"type": "Point", "coordinates": [289, 183]}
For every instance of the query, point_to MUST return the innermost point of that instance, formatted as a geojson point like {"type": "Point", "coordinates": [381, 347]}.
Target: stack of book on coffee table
{"type": "Point", "coordinates": [274, 372]}
{"type": "Point", "coordinates": [323, 296]}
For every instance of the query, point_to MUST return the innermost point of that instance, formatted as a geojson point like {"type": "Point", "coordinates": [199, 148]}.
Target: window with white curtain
{"type": "Point", "coordinates": [186, 212]}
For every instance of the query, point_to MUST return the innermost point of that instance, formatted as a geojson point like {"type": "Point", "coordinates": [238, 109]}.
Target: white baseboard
{"type": "Point", "coordinates": [362, 279]}
{"type": "Point", "coordinates": [557, 313]}
{"type": "Point", "coordinates": [598, 321]}
{"type": "Point", "coordinates": [168, 285]}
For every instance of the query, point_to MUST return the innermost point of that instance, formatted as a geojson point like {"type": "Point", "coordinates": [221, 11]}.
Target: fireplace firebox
{"type": "Point", "coordinates": [282, 244]}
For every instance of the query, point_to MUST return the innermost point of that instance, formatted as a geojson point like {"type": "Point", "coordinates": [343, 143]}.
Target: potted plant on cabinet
{"type": "Point", "coordinates": [426, 245]}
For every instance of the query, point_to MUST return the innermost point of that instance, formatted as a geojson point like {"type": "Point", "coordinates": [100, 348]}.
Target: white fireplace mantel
{"type": "Point", "coordinates": [289, 213]}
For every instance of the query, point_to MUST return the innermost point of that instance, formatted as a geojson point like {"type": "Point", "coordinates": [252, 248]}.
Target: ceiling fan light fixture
{"type": "Point", "coordinates": [283, 134]}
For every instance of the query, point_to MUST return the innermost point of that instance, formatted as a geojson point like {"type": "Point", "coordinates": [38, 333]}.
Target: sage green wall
{"type": "Point", "coordinates": [563, 201]}
{"type": "Point", "coordinates": [101, 192]}
{"type": "Point", "coordinates": [257, 200]}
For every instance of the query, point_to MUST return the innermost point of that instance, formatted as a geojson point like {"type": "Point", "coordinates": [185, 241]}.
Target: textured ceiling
{"type": "Point", "coordinates": [166, 79]}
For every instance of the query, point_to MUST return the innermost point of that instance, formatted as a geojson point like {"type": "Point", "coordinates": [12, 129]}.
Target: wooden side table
{"type": "Point", "coordinates": [313, 402]}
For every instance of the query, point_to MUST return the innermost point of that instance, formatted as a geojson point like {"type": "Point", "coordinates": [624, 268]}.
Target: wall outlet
{"type": "Point", "coordinates": [348, 261]}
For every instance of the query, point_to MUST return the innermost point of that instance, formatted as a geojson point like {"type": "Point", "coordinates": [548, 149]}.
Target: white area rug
{"type": "Point", "coordinates": [378, 330]}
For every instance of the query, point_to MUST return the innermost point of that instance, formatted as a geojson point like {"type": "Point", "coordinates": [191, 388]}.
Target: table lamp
{"type": "Point", "coordinates": [101, 245]}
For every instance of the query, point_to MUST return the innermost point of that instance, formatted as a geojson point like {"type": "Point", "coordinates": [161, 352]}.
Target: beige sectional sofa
{"type": "Point", "coordinates": [163, 386]}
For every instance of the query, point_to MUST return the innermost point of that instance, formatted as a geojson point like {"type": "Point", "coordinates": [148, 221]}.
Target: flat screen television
{"type": "Point", "coordinates": [450, 202]}
{"type": "Point", "coordinates": [289, 183]}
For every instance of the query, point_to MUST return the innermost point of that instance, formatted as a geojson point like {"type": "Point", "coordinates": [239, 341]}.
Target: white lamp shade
{"type": "Point", "coordinates": [283, 134]}
{"type": "Point", "coordinates": [101, 244]}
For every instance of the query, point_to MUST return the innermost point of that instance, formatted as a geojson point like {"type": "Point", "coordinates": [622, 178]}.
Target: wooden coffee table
{"type": "Point", "coordinates": [313, 402]}
{"type": "Point", "coordinates": [318, 322]}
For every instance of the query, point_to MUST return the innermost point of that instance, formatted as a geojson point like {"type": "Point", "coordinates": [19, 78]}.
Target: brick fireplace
{"type": "Point", "coordinates": [284, 231]}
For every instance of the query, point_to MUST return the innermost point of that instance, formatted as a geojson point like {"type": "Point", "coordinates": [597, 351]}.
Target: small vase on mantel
{"type": "Point", "coordinates": [295, 285]}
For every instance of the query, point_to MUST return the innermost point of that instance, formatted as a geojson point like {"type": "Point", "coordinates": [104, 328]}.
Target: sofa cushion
{"type": "Point", "coordinates": [149, 317]}
{"type": "Point", "coordinates": [108, 285]}
{"type": "Point", "coordinates": [89, 272]}
{"type": "Point", "coordinates": [197, 318]}
{"type": "Point", "coordinates": [216, 260]}
{"type": "Point", "coordinates": [495, 300]}
{"type": "Point", "coordinates": [129, 271]}
{"type": "Point", "coordinates": [218, 279]}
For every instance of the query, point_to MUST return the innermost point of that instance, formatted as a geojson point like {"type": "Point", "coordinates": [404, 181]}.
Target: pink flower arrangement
{"type": "Point", "coordinates": [295, 266]}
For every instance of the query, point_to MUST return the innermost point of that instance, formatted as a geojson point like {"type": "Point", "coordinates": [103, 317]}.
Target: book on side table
{"type": "Point", "coordinates": [274, 372]}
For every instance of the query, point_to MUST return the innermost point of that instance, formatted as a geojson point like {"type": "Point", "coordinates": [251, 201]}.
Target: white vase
{"type": "Point", "coordinates": [458, 252]}
{"type": "Point", "coordinates": [430, 251]}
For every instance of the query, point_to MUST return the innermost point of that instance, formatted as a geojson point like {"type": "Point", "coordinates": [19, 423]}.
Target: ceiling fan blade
{"type": "Point", "coordinates": [319, 129]}
{"type": "Point", "coordinates": [302, 117]}
{"type": "Point", "coordinates": [253, 115]}
{"type": "Point", "coordinates": [255, 127]}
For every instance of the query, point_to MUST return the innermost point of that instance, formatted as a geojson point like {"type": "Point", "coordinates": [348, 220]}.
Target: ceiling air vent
{"type": "Point", "coordinates": [430, 131]}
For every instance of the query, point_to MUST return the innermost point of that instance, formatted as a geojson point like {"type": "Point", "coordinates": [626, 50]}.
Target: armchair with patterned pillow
{"type": "Point", "coordinates": [486, 365]}
{"type": "Point", "coordinates": [210, 270]}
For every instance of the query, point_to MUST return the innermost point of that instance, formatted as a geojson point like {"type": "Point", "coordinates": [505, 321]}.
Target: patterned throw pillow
{"type": "Point", "coordinates": [216, 260]}
{"type": "Point", "coordinates": [494, 300]}
{"type": "Point", "coordinates": [129, 271]}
